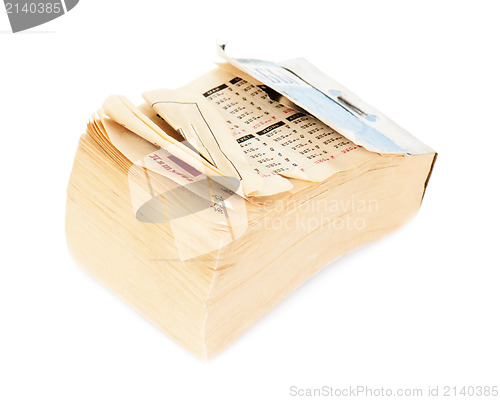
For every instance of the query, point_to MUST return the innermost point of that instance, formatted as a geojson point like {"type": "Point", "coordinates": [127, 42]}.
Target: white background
{"type": "Point", "coordinates": [419, 308]}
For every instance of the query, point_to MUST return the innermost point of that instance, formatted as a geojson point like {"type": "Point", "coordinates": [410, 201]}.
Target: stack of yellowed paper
{"type": "Point", "coordinates": [207, 205]}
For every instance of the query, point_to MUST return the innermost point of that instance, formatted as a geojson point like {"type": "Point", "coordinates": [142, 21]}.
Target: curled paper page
{"type": "Point", "coordinates": [155, 159]}
{"type": "Point", "coordinates": [332, 103]}
{"type": "Point", "coordinates": [122, 111]}
{"type": "Point", "coordinates": [207, 132]}
{"type": "Point", "coordinates": [234, 122]}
